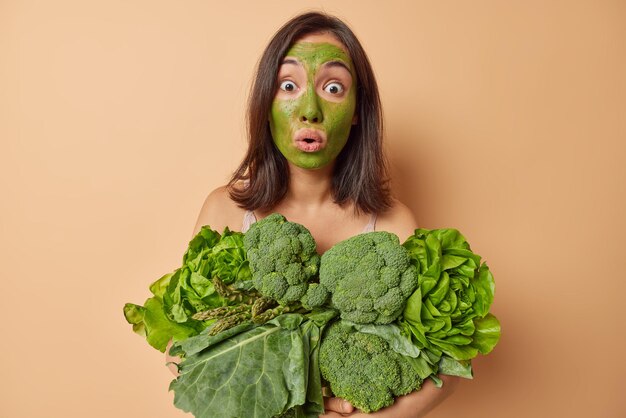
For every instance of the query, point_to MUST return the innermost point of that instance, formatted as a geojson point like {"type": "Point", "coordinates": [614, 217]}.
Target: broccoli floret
{"type": "Point", "coordinates": [283, 258]}
{"type": "Point", "coordinates": [315, 296]}
{"type": "Point", "coordinates": [363, 369]}
{"type": "Point", "coordinates": [369, 276]}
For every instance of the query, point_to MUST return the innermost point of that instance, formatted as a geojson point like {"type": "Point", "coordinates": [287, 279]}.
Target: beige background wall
{"type": "Point", "coordinates": [118, 117]}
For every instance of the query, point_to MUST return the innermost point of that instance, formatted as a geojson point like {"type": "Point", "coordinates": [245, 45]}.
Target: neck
{"type": "Point", "coordinates": [309, 188]}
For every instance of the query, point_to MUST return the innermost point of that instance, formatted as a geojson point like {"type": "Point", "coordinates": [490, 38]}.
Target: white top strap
{"type": "Point", "coordinates": [371, 225]}
{"type": "Point", "coordinates": [248, 220]}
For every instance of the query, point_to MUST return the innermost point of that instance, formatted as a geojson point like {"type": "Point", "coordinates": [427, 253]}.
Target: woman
{"type": "Point", "coordinates": [315, 156]}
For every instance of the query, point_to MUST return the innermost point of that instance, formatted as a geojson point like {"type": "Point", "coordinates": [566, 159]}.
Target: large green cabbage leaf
{"type": "Point", "coordinates": [261, 372]}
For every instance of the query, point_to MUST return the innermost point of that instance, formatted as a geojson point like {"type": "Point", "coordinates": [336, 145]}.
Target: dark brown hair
{"type": "Point", "coordinates": [360, 172]}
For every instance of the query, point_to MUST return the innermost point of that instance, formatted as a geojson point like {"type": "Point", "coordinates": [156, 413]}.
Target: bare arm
{"type": "Point", "coordinates": [217, 211]}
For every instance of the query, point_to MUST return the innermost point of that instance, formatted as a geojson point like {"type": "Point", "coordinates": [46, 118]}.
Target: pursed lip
{"type": "Point", "coordinates": [309, 140]}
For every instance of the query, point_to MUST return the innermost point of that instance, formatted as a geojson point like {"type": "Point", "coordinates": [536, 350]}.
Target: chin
{"type": "Point", "coordinates": [310, 165]}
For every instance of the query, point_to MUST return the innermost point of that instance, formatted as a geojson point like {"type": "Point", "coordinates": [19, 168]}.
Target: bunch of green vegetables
{"type": "Point", "coordinates": [262, 322]}
{"type": "Point", "coordinates": [447, 316]}
{"type": "Point", "coordinates": [210, 264]}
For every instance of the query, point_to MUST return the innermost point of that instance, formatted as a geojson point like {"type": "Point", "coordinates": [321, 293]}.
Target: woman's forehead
{"type": "Point", "coordinates": [314, 50]}
{"type": "Point", "coordinates": [322, 38]}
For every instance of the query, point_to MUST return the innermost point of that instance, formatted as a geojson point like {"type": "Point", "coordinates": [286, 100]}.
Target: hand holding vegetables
{"type": "Point", "coordinates": [254, 318]}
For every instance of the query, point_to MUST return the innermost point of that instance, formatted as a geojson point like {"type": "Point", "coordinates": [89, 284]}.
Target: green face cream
{"type": "Point", "coordinates": [313, 109]}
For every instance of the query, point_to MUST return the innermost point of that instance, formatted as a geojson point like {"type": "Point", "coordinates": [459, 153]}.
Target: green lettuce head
{"type": "Point", "coordinates": [449, 311]}
{"type": "Point", "coordinates": [190, 289]}
{"type": "Point", "coordinates": [230, 262]}
{"type": "Point", "coordinates": [209, 255]}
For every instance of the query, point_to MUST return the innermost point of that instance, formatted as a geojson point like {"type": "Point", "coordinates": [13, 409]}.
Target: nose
{"type": "Point", "coordinates": [310, 110]}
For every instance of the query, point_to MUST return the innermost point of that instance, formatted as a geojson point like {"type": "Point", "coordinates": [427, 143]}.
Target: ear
{"type": "Point", "coordinates": [355, 119]}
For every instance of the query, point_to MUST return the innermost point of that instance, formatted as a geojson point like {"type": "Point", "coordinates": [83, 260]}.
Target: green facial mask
{"type": "Point", "coordinates": [309, 110]}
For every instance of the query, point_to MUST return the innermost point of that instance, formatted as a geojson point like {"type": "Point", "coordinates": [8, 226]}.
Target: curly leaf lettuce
{"type": "Point", "coordinates": [190, 289]}
{"type": "Point", "coordinates": [198, 255]}
{"type": "Point", "coordinates": [230, 260]}
{"type": "Point", "coordinates": [180, 294]}
{"type": "Point", "coordinates": [187, 293]}
{"type": "Point", "coordinates": [150, 320]}
{"type": "Point", "coordinates": [448, 314]}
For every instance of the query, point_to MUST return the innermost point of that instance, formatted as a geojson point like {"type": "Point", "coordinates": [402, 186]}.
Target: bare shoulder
{"type": "Point", "coordinates": [398, 219]}
{"type": "Point", "coordinates": [220, 211]}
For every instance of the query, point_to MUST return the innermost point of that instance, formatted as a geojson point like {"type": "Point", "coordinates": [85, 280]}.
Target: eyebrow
{"type": "Point", "coordinates": [329, 64]}
{"type": "Point", "coordinates": [291, 61]}
{"type": "Point", "coordinates": [341, 64]}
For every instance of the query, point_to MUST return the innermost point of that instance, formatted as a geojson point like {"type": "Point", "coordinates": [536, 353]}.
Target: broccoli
{"type": "Point", "coordinates": [363, 369]}
{"type": "Point", "coordinates": [283, 258]}
{"type": "Point", "coordinates": [315, 296]}
{"type": "Point", "coordinates": [369, 276]}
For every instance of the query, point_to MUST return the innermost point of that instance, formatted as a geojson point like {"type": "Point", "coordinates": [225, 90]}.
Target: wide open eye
{"type": "Point", "coordinates": [288, 85]}
{"type": "Point", "coordinates": [333, 88]}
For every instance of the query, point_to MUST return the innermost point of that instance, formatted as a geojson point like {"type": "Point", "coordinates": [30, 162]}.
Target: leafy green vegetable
{"type": "Point", "coordinates": [248, 319]}
{"type": "Point", "coordinates": [189, 292]}
{"type": "Point", "coordinates": [487, 333]}
{"type": "Point", "coordinates": [196, 344]}
{"type": "Point", "coordinates": [390, 333]}
{"type": "Point", "coordinates": [448, 313]}
{"type": "Point", "coordinates": [209, 255]}
{"type": "Point", "coordinates": [230, 261]}
{"type": "Point", "coordinates": [157, 329]}
{"type": "Point", "coordinates": [190, 289]}
{"type": "Point", "coordinates": [198, 255]}
{"type": "Point", "coordinates": [150, 320]}
{"type": "Point", "coordinates": [454, 367]}
{"type": "Point", "coordinates": [263, 372]}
